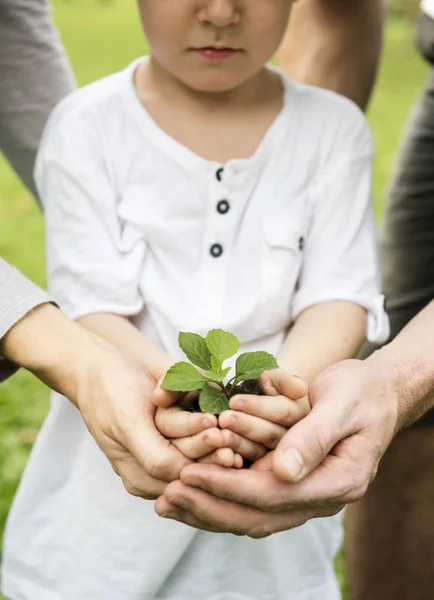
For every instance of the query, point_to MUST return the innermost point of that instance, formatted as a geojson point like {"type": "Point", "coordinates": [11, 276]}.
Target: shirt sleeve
{"type": "Point", "coordinates": [18, 296]}
{"type": "Point", "coordinates": [342, 239]}
{"type": "Point", "coordinates": [34, 76]}
{"type": "Point", "coordinates": [93, 264]}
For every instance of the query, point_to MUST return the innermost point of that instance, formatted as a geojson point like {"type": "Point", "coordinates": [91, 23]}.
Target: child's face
{"type": "Point", "coordinates": [214, 45]}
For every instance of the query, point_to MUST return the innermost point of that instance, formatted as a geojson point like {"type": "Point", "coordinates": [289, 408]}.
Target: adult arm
{"type": "Point", "coordinates": [109, 388]}
{"type": "Point", "coordinates": [34, 76]}
{"type": "Point", "coordinates": [18, 296]}
{"type": "Point", "coordinates": [335, 44]}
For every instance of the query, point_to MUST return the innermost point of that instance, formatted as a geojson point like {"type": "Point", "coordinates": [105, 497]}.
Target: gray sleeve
{"type": "Point", "coordinates": [18, 296]}
{"type": "Point", "coordinates": [34, 77]}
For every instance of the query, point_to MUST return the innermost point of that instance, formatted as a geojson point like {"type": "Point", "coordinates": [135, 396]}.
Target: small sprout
{"type": "Point", "coordinates": [209, 355]}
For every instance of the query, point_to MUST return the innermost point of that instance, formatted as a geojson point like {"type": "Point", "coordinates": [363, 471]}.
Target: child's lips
{"type": "Point", "coordinates": [215, 53]}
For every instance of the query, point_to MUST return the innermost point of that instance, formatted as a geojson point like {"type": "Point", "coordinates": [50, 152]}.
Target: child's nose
{"type": "Point", "coordinates": [221, 13]}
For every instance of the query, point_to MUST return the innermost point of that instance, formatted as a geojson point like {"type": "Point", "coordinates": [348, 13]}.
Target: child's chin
{"type": "Point", "coordinates": [214, 85]}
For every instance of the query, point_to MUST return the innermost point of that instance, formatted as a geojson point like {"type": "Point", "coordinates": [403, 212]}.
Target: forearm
{"type": "Point", "coordinates": [323, 335]}
{"type": "Point", "coordinates": [407, 364]}
{"type": "Point", "coordinates": [335, 44]}
{"type": "Point", "coordinates": [34, 75]}
{"type": "Point", "coordinates": [52, 347]}
{"type": "Point", "coordinates": [120, 332]}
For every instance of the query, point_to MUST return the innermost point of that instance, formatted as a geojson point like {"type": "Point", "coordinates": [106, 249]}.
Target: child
{"type": "Point", "coordinates": [198, 188]}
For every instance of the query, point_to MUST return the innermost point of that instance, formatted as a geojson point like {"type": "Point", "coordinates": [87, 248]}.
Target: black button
{"type": "Point", "coordinates": [216, 250]}
{"type": "Point", "coordinates": [301, 244]}
{"type": "Point", "coordinates": [219, 173]}
{"type": "Point", "coordinates": [223, 207]}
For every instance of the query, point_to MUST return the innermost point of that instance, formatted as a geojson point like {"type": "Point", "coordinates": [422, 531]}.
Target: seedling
{"type": "Point", "coordinates": [209, 355]}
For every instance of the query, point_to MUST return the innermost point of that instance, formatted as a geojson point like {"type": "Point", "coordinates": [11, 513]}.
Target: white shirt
{"type": "Point", "coordinates": [427, 7]}
{"type": "Point", "coordinates": [132, 216]}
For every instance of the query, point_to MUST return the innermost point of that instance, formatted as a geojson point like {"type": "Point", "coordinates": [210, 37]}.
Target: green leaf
{"type": "Point", "coordinates": [195, 348]}
{"type": "Point", "coordinates": [217, 376]}
{"type": "Point", "coordinates": [213, 400]}
{"type": "Point", "coordinates": [251, 365]}
{"type": "Point", "coordinates": [222, 344]}
{"type": "Point", "coordinates": [183, 377]}
{"type": "Point", "coordinates": [249, 375]}
{"type": "Point", "coordinates": [216, 364]}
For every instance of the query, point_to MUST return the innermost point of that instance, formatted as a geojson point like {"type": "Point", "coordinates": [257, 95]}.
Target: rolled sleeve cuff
{"type": "Point", "coordinates": [378, 326]}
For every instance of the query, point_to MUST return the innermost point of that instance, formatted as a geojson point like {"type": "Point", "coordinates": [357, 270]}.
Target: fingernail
{"type": "Point", "coordinates": [293, 462]}
{"type": "Point", "coordinates": [206, 423]}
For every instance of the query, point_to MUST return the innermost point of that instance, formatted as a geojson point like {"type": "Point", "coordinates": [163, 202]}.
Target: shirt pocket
{"type": "Point", "coordinates": [280, 263]}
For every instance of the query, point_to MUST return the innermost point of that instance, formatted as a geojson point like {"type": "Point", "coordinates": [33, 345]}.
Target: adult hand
{"type": "Point", "coordinates": [324, 462]}
{"type": "Point", "coordinates": [113, 396]}
{"type": "Point", "coordinates": [111, 391]}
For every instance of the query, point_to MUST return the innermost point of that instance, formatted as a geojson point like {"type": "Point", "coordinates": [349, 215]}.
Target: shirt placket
{"type": "Point", "coordinates": [227, 196]}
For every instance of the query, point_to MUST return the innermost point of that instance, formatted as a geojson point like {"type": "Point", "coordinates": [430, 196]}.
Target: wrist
{"type": "Point", "coordinates": [408, 380]}
{"type": "Point", "coordinates": [51, 346]}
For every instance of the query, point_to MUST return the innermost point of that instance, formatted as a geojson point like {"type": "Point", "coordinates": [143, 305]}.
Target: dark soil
{"type": "Point", "coordinates": [190, 401]}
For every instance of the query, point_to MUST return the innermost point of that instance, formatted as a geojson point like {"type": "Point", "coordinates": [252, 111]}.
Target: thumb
{"type": "Point", "coordinates": [164, 398]}
{"type": "Point", "coordinates": [154, 453]}
{"type": "Point", "coordinates": [285, 383]}
{"type": "Point", "coordinates": [306, 445]}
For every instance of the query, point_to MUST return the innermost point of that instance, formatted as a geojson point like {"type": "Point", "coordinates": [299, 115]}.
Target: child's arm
{"type": "Point", "coordinates": [323, 334]}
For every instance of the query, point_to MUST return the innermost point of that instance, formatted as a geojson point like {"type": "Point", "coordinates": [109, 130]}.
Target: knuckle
{"type": "Point", "coordinates": [159, 469]}
{"type": "Point", "coordinates": [132, 489]}
{"type": "Point", "coordinates": [357, 491]}
{"type": "Point", "coordinates": [287, 417]}
{"type": "Point", "coordinates": [273, 438]}
{"type": "Point", "coordinates": [261, 531]}
{"type": "Point", "coordinates": [255, 452]}
{"type": "Point", "coordinates": [354, 489]}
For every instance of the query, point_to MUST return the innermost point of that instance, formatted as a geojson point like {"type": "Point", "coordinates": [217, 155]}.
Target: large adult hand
{"type": "Point", "coordinates": [324, 462]}
{"type": "Point", "coordinates": [111, 391]}
{"type": "Point", "coordinates": [113, 396]}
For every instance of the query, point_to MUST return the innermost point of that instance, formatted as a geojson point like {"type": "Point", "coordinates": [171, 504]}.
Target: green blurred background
{"type": "Point", "coordinates": [102, 36]}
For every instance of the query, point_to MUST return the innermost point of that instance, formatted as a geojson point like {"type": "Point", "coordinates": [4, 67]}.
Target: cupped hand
{"type": "Point", "coordinates": [324, 462]}
{"type": "Point", "coordinates": [113, 396]}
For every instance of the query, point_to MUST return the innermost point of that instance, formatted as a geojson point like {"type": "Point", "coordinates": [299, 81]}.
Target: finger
{"type": "Point", "coordinates": [225, 457]}
{"type": "Point", "coordinates": [202, 444]}
{"type": "Point", "coordinates": [252, 428]}
{"type": "Point", "coordinates": [153, 452]}
{"type": "Point", "coordinates": [281, 381]}
{"type": "Point", "coordinates": [136, 481]}
{"type": "Point", "coordinates": [238, 461]}
{"type": "Point", "coordinates": [307, 444]}
{"type": "Point", "coordinates": [174, 422]}
{"type": "Point", "coordinates": [275, 409]}
{"type": "Point", "coordinates": [241, 445]}
{"type": "Point", "coordinates": [166, 510]}
{"type": "Point", "coordinates": [228, 517]}
{"type": "Point", "coordinates": [341, 478]}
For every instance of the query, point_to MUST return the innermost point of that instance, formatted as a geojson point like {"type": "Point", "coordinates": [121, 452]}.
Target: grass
{"type": "Point", "coordinates": [101, 37]}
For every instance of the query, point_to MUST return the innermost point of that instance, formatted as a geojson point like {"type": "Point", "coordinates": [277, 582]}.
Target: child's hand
{"type": "Point", "coordinates": [198, 437]}
{"type": "Point", "coordinates": [265, 419]}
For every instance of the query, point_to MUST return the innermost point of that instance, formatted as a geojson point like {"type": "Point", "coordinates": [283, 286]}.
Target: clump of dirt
{"type": "Point", "coordinates": [190, 401]}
